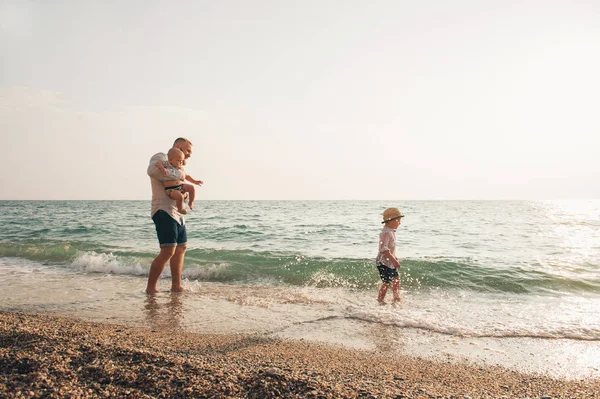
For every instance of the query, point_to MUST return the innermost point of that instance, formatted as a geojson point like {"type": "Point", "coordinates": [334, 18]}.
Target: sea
{"type": "Point", "coordinates": [508, 283]}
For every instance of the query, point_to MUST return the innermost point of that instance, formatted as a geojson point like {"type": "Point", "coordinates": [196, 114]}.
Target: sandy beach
{"type": "Point", "coordinates": [56, 357]}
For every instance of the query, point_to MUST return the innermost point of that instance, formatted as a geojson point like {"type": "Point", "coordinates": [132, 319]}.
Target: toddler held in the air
{"type": "Point", "coordinates": [177, 189]}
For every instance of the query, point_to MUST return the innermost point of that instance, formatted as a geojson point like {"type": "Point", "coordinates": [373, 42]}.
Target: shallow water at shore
{"type": "Point", "coordinates": [336, 316]}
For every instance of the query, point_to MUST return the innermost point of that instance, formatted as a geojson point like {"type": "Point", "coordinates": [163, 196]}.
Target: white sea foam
{"type": "Point", "coordinates": [203, 272]}
{"type": "Point", "coordinates": [479, 317]}
{"type": "Point", "coordinates": [329, 279]}
{"type": "Point", "coordinates": [106, 263]}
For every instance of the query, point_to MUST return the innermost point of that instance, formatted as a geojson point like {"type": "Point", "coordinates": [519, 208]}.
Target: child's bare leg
{"type": "Point", "coordinates": [382, 291]}
{"type": "Point", "coordinates": [191, 190]}
{"type": "Point", "coordinates": [178, 197]}
{"type": "Point", "coordinates": [396, 289]}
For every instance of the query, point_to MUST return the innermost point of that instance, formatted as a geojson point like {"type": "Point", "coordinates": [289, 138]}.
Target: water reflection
{"type": "Point", "coordinates": [164, 312]}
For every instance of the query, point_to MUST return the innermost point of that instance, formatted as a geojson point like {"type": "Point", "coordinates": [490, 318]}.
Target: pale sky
{"type": "Point", "coordinates": [347, 99]}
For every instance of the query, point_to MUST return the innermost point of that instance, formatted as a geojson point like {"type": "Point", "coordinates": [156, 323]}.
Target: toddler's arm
{"type": "Point", "coordinates": [162, 168]}
{"type": "Point", "coordinates": [192, 180]}
{"type": "Point", "coordinates": [391, 257]}
{"type": "Point", "coordinates": [156, 172]}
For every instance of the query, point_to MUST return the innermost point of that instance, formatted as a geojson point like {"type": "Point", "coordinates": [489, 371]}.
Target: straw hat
{"type": "Point", "coordinates": [391, 213]}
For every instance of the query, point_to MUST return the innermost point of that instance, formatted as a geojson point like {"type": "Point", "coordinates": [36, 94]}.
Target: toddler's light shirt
{"type": "Point", "coordinates": [387, 242]}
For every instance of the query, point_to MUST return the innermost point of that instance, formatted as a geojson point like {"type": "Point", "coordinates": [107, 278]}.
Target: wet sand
{"type": "Point", "coordinates": [57, 357]}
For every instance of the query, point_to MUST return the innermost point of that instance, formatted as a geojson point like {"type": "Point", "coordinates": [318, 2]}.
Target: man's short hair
{"type": "Point", "coordinates": [181, 140]}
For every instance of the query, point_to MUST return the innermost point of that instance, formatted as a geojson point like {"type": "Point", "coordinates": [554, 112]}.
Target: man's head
{"type": "Point", "coordinates": [176, 157]}
{"type": "Point", "coordinates": [185, 146]}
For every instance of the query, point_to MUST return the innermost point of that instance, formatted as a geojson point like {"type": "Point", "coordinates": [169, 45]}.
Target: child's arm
{"type": "Point", "coordinates": [391, 257]}
{"type": "Point", "coordinates": [161, 167]}
{"type": "Point", "coordinates": [192, 180]}
{"type": "Point", "coordinates": [155, 172]}
{"type": "Point", "coordinates": [384, 249]}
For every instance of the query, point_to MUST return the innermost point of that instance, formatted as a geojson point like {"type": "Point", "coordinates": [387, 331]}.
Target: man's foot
{"type": "Point", "coordinates": [397, 300]}
{"type": "Point", "coordinates": [151, 291]}
{"type": "Point", "coordinates": [177, 289]}
{"type": "Point", "coordinates": [182, 211]}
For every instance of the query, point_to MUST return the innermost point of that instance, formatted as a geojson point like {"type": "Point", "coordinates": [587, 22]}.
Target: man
{"type": "Point", "coordinates": [170, 224]}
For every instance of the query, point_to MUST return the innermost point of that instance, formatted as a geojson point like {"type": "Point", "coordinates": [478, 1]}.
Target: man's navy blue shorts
{"type": "Point", "coordinates": [169, 232]}
{"type": "Point", "coordinates": [386, 274]}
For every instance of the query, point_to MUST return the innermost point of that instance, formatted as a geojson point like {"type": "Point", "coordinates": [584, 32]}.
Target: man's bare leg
{"type": "Point", "coordinates": [177, 268]}
{"type": "Point", "coordinates": [157, 267]}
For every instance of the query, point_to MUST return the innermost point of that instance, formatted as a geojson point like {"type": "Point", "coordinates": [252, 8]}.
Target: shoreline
{"type": "Point", "coordinates": [331, 317]}
{"type": "Point", "coordinates": [51, 356]}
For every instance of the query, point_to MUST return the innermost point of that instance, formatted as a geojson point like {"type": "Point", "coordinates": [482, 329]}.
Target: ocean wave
{"type": "Point", "coordinates": [237, 265]}
{"type": "Point", "coordinates": [93, 262]}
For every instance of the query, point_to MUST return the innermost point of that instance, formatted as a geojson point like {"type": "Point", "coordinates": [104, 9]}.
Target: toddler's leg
{"type": "Point", "coordinates": [382, 291]}
{"type": "Point", "coordinates": [396, 289]}
{"type": "Point", "coordinates": [178, 196]}
{"type": "Point", "coordinates": [191, 190]}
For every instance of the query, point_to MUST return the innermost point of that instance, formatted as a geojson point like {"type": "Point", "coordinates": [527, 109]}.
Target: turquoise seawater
{"type": "Point", "coordinates": [537, 248]}
{"type": "Point", "coordinates": [470, 269]}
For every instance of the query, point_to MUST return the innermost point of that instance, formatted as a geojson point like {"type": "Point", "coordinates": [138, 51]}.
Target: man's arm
{"type": "Point", "coordinates": [155, 172]}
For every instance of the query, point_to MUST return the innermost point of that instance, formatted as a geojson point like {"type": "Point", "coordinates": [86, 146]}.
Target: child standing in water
{"type": "Point", "coordinates": [387, 262]}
